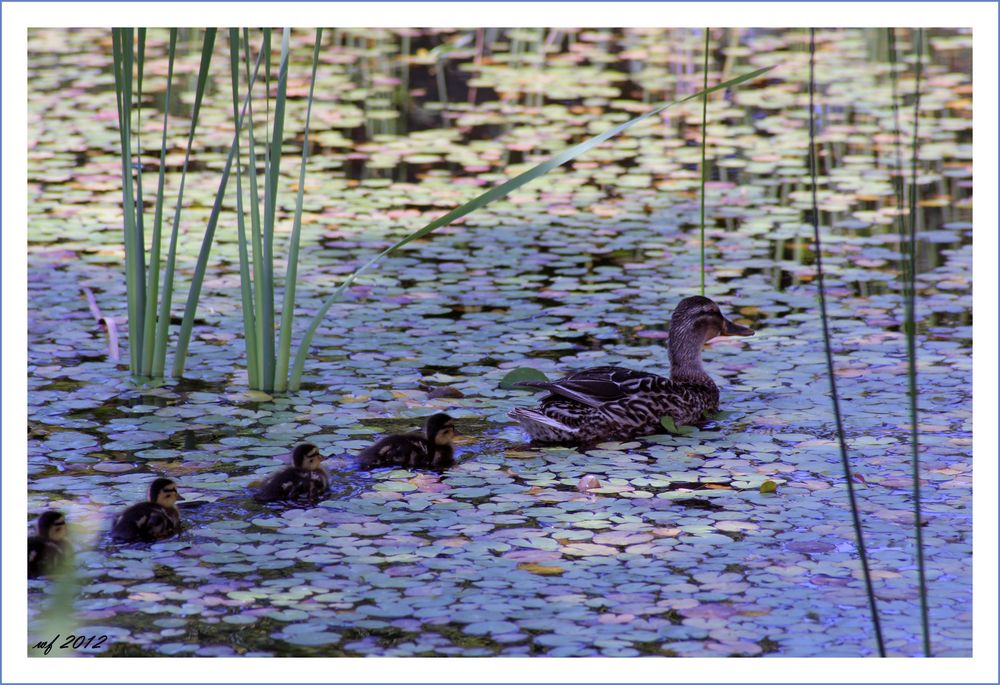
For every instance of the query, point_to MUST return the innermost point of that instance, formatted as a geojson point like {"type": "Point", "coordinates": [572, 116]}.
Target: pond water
{"type": "Point", "coordinates": [679, 553]}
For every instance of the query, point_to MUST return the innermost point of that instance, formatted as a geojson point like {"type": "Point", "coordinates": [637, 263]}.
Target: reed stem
{"type": "Point", "coordinates": [163, 322]}
{"type": "Point", "coordinates": [489, 196]}
{"type": "Point", "coordinates": [704, 167]}
{"type": "Point", "coordinates": [291, 273]}
{"type": "Point", "coordinates": [187, 323]}
{"type": "Point", "coordinates": [152, 289]}
{"type": "Point", "coordinates": [841, 438]}
{"type": "Point", "coordinates": [246, 285]}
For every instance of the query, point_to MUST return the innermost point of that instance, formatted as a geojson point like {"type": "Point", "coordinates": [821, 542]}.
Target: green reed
{"type": "Point", "coordinates": [828, 348]}
{"type": "Point", "coordinates": [907, 230]}
{"type": "Point", "coordinates": [148, 331]}
{"type": "Point", "coordinates": [704, 166]}
{"type": "Point", "coordinates": [267, 358]}
{"type": "Point", "coordinates": [489, 196]}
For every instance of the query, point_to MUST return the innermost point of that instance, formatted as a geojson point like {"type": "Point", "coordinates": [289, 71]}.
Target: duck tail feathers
{"type": "Point", "coordinates": [541, 427]}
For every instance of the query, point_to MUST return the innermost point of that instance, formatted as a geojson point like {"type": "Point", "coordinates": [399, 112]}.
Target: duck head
{"type": "Point", "coordinates": [52, 526]}
{"type": "Point", "coordinates": [696, 321]}
{"type": "Point", "coordinates": [307, 457]}
{"type": "Point", "coordinates": [440, 429]}
{"type": "Point", "coordinates": [163, 491]}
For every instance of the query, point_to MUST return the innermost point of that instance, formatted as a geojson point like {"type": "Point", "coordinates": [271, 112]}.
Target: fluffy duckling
{"type": "Point", "coordinates": [152, 520]}
{"type": "Point", "coordinates": [431, 448]}
{"type": "Point", "coordinates": [48, 549]}
{"type": "Point", "coordinates": [304, 480]}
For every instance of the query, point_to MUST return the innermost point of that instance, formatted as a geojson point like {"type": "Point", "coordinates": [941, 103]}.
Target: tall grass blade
{"type": "Point", "coordinates": [838, 418]}
{"type": "Point", "coordinates": [59, 616]}
{"type": "Point", "coordinates": [271, 166]}
{"type": "Point", "coordinates": [152, 284]}
{"type": "Point", "coordinates": [911, 337]}
{"type": "Point", "coordinates": [187, 323]}
{"type": "Point", "coordinates": [495, 193]}
{"type": "Point", "coordinates": [166, 299]}
{"type": "Point", "coordinates": [291, 273]}
{"type": "Point", "coordinates": [123, 52]}
{"type": "Point", "coordinates": [704, 166]}
{"type": "Point", "coordinates": [246, 285]}
{"type": "Point", "coordinates": [255, 231]}
{"type": "Point", "coordinates": [140, 231]}
{"type": "Point", "coordinates": [908, 252]}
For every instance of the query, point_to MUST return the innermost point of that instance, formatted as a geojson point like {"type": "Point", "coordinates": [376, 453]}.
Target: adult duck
{"type": "Point", "coordinates": [615, 403]}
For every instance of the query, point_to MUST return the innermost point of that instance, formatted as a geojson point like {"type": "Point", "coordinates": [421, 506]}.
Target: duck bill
{"type": "Point", "coordinates": [180, 496]}
{"type": "Point", "coordinates": [730, 328]}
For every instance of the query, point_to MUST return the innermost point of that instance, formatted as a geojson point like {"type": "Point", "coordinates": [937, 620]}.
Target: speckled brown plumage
{"type": "Point", "coordinates": [615, 403]}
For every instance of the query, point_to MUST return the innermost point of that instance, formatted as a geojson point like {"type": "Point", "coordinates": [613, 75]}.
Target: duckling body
{"type": "Point", "coordinates": [305, 480]}
{"type": "Point", "coordinates": [153, 520]}
{"type": "Point", "coordinates": [430, 448]}
{"type": "Point", "coordinates": [616, 403]}
{"type": "Point", "coordinates": [48, 549]}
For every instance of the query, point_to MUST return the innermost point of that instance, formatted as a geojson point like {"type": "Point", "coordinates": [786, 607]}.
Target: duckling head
{"type": "Point", "coordinates": [307, 457]}
{"type": "Point", "coordinates": [440, 429]}
{"type": "Point", "coordinates": [163, 491]}
{"type": "Point", "coordinates": [52, 526]}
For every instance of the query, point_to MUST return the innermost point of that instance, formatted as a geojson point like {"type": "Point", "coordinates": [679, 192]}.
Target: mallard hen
{"type": "Point", "coordinates": [615, 403]}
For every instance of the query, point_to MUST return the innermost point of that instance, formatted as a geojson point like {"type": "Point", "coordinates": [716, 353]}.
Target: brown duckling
{"type": "Point", "coordinates": [152, 520]}
{"type": "Point", "coordinates": [305, 480]}
{"type": "Point", "coordinates": [431, 448]}
{"type": "Point", "coordinates": [49, 548]}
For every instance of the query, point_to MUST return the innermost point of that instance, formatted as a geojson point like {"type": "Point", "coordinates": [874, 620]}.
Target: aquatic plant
{"type": "Point", "coordinates": [495, 193]}
{"type": "Point", "coordinates": [267, 359]}
{"type": "Point", "coordinates": [148, 332]}
{"type": "Point", "coordinates": [704, 165]}
{"type": "Point", "coordinates": [744, 521]}
{"type": "Point", "coordinates": [907, 229]}
{"type": "Point", "coordinates": [845, 461]}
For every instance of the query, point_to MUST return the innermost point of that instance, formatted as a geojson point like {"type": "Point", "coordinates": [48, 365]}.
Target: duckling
{"type": "Point", "coordinates": [431, 448]}
{"type": "Point", "coordinates": [304, 480]}
{"type": "Point", "coordinates": [48, 549]}
{"type": "Point", "coordinates": [152, 520]}
{"type": "Point", "coordinates": [614, 403]}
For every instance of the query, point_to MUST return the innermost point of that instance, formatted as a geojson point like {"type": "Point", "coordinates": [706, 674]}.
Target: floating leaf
{"type": "Point", "coordinates": [768, 486]}
{"type": "Point", "coordinates": [514, 378]}
{"type": "Point", "coordinates": [668, 423]}
{"type": "Point", "coordinates": [541, 569]}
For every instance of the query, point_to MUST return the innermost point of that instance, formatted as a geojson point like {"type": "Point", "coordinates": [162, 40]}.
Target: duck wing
{"type": "Point", "coordinates": [161, 524]}
{"type": "Point", "coordinates": [280, 486]}
{"type": "Point", "coordinates": [145, 522]}
{"type": "Point", "coordinates": [395, 450]}
{"type": "Point", "coordinates": [594, 387]}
